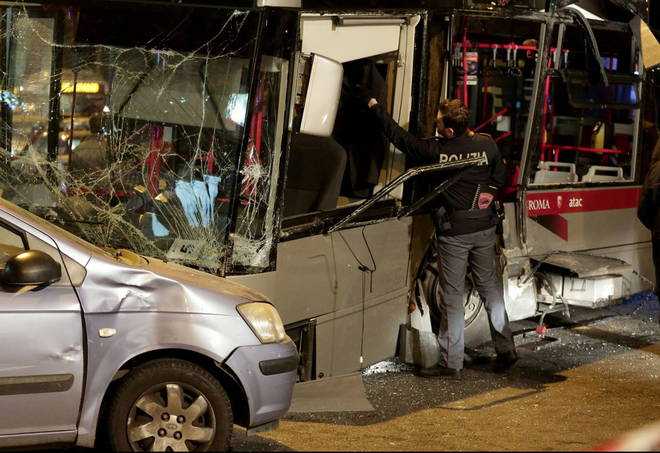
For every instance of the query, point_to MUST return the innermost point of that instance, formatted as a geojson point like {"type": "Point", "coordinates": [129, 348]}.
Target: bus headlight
{"type": "Point", "coordinates": [264, 320]}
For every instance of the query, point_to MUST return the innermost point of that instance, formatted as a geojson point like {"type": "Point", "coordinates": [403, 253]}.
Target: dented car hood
{"type": "Point", "coordinates": [127, 282]}
{"type": "Point", "coordinates": [112, 285]}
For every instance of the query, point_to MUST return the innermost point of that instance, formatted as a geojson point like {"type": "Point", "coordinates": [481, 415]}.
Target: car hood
{"type": "Point", "coordinates": [112, 285]}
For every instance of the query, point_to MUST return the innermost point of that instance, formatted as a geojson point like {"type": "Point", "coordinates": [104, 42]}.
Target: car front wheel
{"type": "Point", "coordinates": [169, 405]}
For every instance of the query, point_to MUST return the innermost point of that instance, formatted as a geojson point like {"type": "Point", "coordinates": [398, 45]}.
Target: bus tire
{"type": "Point", "coordinates": [476, 320]}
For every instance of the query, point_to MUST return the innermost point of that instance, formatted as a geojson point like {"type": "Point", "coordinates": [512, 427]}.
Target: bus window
{"type": "Point", "coordinates": [325, 173]}
{"type": "Point", "coordinates": [589, 129]}
{"type": "Point", "coordinates": [147, 112]}
{"type": "Point", "coordinates": [28, 101]}
{"type": "Point", "coordinates": [492, 70]}
{"type": "Point", "coordinates": [332, 172]}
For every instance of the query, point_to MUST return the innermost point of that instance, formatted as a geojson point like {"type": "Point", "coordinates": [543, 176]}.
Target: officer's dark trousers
{"type": "Point", "coordinates": [455, 252]}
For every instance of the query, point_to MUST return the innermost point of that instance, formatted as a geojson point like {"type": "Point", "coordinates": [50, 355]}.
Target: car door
{"type": "Point", "coordinates": [41, 349]}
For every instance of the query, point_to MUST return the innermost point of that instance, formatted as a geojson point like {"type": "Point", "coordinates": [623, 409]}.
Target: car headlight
{"type": "Point", "coordinates": [264, 320]}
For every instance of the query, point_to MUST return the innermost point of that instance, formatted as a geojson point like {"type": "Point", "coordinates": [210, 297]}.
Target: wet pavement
{"type": "Point", "coordinates": [600, 378]}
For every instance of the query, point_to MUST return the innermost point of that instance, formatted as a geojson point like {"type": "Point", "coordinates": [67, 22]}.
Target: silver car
{"type": "Point", "coordinates": [132, 351]}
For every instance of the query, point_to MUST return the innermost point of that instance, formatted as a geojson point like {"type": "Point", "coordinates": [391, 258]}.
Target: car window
{"type": "Point", "coordinates": [76, 271]}
{"type": "Point", "coordinates": [11, 243]}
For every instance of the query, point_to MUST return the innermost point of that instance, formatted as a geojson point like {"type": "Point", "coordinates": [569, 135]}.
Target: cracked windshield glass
{"type": "Point", "coordinates": [134, 133]}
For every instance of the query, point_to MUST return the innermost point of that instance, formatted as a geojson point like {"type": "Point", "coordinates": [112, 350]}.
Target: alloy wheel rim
{"type": "Point", "coordinates": [471, 301]}
{"type": "Point", "coordinates": [171, 417]}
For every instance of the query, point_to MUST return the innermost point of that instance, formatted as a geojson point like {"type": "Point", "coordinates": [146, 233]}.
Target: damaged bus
{"type": "Point", "coordinates": [233, 138]}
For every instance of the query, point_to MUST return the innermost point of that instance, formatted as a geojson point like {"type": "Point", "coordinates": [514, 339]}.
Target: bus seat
{"type": "Point", "coordinates": [555, 173]}
{"type": "Point", "coordinates": [599, 173]}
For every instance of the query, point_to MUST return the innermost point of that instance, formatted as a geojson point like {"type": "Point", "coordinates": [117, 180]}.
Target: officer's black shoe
{"type": "Point", "coordinates": [439, 371]}
{"type": "Point", "coordinates": [505, 362]}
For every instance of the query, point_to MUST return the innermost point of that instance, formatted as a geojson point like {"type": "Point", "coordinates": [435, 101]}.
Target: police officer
{"type": "Point", "coordinates": [465, 231]}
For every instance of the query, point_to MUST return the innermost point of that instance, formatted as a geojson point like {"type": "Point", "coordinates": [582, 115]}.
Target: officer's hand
{"type": "Point", "coordinates": [372, 102]}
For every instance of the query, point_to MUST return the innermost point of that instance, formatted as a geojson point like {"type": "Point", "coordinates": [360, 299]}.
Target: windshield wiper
{"type": "Point", "coordinates": [413, 172]}
{"type": "Point", "coordinates": [440, 188]}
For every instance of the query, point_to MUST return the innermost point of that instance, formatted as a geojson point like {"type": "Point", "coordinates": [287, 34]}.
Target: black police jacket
{"type": "Point", "coordinates": [476, 188]}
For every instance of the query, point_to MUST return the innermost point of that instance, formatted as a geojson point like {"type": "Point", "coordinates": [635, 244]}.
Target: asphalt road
{"type": "Point", "coordinates": [599, 379]}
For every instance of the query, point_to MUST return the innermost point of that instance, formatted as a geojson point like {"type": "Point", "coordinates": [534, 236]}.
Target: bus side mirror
{"type": "Point", "coordinates": [31, 268]}
{"type": "Point", "coordinates": [322, 100]}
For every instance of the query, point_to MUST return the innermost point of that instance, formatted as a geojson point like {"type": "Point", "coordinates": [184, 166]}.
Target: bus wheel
{"type": "Point", "coordinates": [429, 278]}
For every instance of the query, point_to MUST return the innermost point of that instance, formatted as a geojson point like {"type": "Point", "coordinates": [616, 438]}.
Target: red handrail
{"type": "Point", "coordinates": [582, 149]}
{"type": "Point", "coordinates": [511, 46]}
{"type": "Point", "coordinates": [491, 119]}
{"type": "Point", "coordinates": [503, 136]}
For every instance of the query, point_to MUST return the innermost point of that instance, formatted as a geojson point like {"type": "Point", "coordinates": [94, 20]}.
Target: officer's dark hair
{"type": "Point", "coordinates": [455, 115]}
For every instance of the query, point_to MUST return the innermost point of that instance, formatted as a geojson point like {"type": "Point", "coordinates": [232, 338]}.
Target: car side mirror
{"type": "Point", "coordinates": [31, 268]}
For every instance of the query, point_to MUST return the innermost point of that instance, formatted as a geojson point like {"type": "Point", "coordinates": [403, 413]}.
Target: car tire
{"type": "Point", "coordinates": [147, 404]}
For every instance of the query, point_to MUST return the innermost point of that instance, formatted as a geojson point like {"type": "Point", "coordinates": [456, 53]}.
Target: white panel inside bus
{"type": "Point", "coordinates": [349, 40]}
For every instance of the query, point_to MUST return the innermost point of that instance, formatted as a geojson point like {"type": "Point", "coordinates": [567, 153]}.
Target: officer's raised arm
{"type": "Point", "coordinates": [407, 143]}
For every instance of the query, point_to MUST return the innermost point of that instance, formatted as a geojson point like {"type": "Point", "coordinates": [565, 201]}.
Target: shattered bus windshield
{"type": "Point", "coordinates": [128, 132]}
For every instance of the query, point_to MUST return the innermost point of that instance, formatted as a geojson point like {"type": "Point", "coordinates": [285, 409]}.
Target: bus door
{"type": "Point", "coordinates": [585, 165]}
{"type": "Point", "coordinates": [350, 284]}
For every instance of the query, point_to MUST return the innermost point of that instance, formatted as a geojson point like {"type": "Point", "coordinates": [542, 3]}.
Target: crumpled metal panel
{"type": "Point", "coordinates": [129, 282]}
{"type": "Point", "coordinates": [583, 265]}
{"type": "Point", "coordinates": [153, 285]}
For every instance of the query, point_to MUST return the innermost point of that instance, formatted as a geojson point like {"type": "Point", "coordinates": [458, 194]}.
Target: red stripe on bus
{"type": "Point", "coordinates": [566, 202]}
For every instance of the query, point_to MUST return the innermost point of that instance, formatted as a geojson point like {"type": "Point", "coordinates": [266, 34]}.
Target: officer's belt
{"type": "Point", "coordinates": [458, 219]}
{"type": "Point", "coordinates": [470, 214]}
